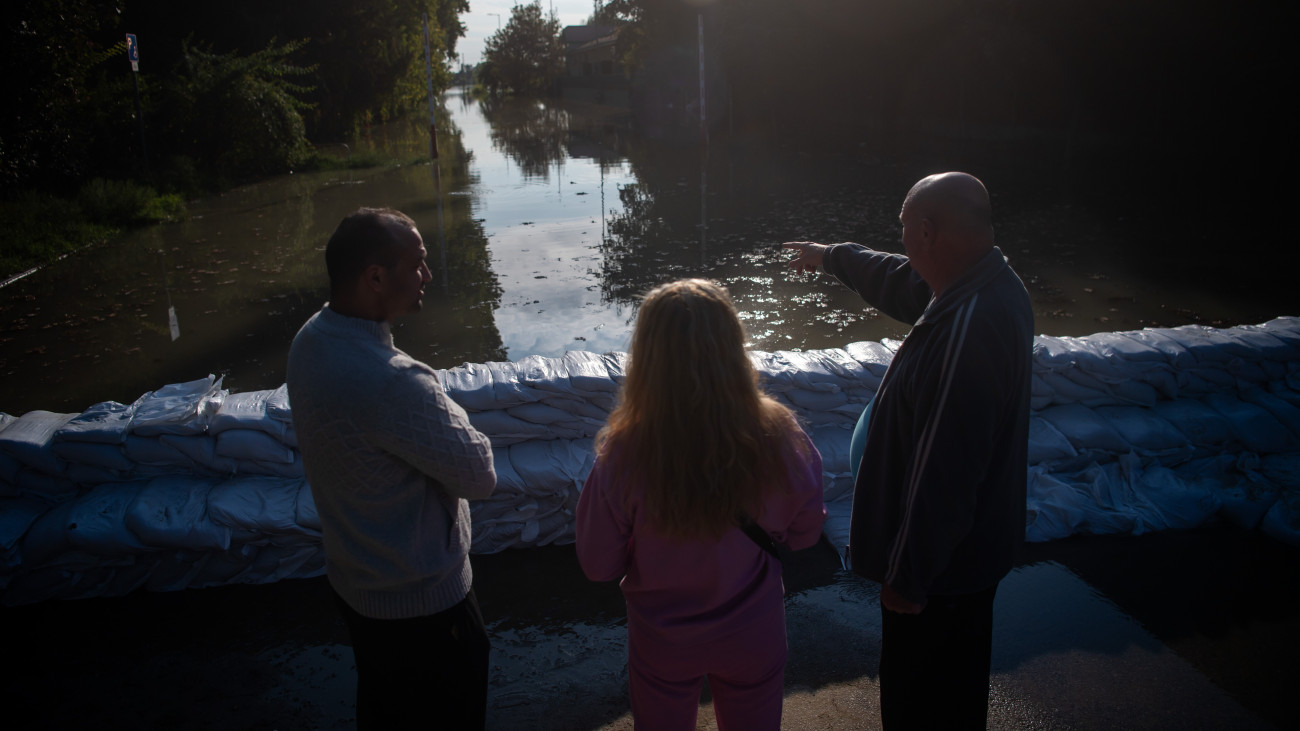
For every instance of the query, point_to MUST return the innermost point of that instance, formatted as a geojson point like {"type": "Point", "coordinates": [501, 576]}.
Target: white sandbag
{"type": "Point", "coordinates": [87, 476]}
{"type": "Point", "coordinates": [1284, 412]}
{"type": "Point", "coordinates": [304, 512]}
{"type": "Point", "coordinates": [252, 444]}
{"type": "Point", "coordinates": [1281, 470]}
{"type": "Point", "coordinates": [504, 429]}
{"type": "Point", "coordinates": [202, 451]}
{"type": "Point", "coordinates": [478, 387]}
{"type": "Point", "coordinates": [1124, 346]}
{"type": "Point", "coordinates": [28, 440]}
{"type": "Point", "coordinates": [17, 514]}
{"type": "Point", "coordinates": [1085, 429]}
{"type": "Point", "coordinates": [1146, 433]}
{"type": "Point", "coordinates": [1244, 495]}
{"type": "Point", "coordinates": [153, 451]}
{"type": "Point", "coordinates": [1285, 329]}
{"type": "Point", "coordinates": [1201, 425]}
{"type": "Point", "coordinates": [1111, 509]}
{"type": "Point", "coordinates": [247, 411]}
{"type": "Point", "coordinates": [1180, 504]}
{"type": "Point", "coordinates": [508, 480]}
{"type": "Point", "coordinates": [256, 506]}
{"type": "Point", "coordinates": [1282, 522]}
{"type": "Point", "coordinates": [589, 372]}
{"type": "Point", "coordinates": [179, 408]}
{"type": "Point", "coordinates": [1251, 425]}
{"type": "Point", "coordinates": [97, 521]}
{"type": "Point", "coordinates": [271, 469]}
{"type": "Point", "coordinates": [1047, 443]}
{"type": "Point", "coordinates": [837, 486]}
{"type": "Point", "coordinates": [177, 570]}
{"type": "Point", "coordinates": [103, 423]}
{"type": "Point", "coordinates": [838, 527]}
{"type": "Point", "coordinates": [1054, 508]}
{"type": "Point", "coordinates": [540, 413]}
{"type": "Point", "coordinates": [552, 466]}
{"type": "Point", "coordinates": [832, 442]}
{"type": "Point", "coordinates": [872, 355]}
{"type": "Point", "coordinates": [1207, 344]}
{"type": "Point", "coordinates": [94, 454]}
{"type": "Point", "coordinates": [277, 404]}
{"type": "Point", "coordinates": [1069, 391]}
{"type": "Point", "coordinates": [1175, 353]}
{"type": "Point", "coordinates": [9, 469]}
{"type": "Point", "coordinates": [586, 410]}
{"type": "Point", "coordinates": [817, 401]}
{"type": "Point", "coordinates": [1055, 353]}
{"type": "Point", "coordinates": [44, 485]}
{"type": "Point", "coordinates": [172, 512]}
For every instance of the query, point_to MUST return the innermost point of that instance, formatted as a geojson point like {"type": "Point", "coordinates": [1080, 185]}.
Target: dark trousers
{"type": "Point", "coordinates": [934, 666]}
{"type": "Point", "coordinates": [425, 672]}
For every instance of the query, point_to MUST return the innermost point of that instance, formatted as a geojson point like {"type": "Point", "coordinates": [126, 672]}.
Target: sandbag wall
{"type": "Point", "coordinates": [192, 486]}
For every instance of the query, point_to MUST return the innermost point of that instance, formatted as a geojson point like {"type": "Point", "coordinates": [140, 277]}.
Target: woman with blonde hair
{"type": "Point", "coordinates": [692, 452]}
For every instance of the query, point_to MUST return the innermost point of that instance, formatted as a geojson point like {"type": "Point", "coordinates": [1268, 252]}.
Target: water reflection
{"type": "Point", "coordinates": [547, 222]}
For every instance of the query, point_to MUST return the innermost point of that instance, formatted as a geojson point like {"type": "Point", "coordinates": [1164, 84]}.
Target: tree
{"type": "Point", "coordinates": [526, 56]}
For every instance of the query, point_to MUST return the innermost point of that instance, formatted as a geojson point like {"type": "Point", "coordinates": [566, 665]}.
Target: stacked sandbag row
{"type": "Point", "coordinates": [188, 486]}
{"type": "Point", "coordinates": [194, 486]}
{"type": "Point", "coordinates": [1153, 429]}
{"type": "Point", "coordinates": [541, 414]}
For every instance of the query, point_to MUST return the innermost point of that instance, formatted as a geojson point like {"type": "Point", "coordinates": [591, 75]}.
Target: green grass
{"type": "Point", "coordinates": [38, 228]}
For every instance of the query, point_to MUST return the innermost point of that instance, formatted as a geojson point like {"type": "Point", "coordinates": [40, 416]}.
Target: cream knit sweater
{"type": "Point", "coordinates": [391, 460]}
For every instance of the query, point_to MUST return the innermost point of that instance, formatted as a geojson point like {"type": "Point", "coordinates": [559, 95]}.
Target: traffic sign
{"type": "Point", "coordinates": [133, 51]}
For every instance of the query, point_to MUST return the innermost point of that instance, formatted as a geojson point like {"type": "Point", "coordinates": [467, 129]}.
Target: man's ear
{"type": "Point", "coordinates": [929, 233]}
{"type": "Point", "coordinates": [374, 278]}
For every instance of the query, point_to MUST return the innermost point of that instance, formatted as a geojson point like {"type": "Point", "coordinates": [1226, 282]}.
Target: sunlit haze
{"type": "Point", "coordinates": [480, 23]}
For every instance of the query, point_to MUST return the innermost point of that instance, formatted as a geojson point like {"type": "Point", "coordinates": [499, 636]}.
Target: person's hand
{"type": "Point", "coordinates": [894, 602]}
{"type": "Point", "coordinates": [810, 255]}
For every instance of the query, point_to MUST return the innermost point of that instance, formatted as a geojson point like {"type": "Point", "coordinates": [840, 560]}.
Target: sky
{"type": "Point", "coordinates": [480, 23]}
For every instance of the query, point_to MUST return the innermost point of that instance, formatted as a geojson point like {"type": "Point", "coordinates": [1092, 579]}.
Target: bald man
{"type": "Point", "coordinates": [939, 499]}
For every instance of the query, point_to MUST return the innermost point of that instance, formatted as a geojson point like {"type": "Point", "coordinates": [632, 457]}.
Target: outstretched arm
{"type": "Point", "coordinates": [810, 255]}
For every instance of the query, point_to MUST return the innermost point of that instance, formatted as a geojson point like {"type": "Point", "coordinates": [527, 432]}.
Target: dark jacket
{"type": "Point", "coordinates": [939, 505]}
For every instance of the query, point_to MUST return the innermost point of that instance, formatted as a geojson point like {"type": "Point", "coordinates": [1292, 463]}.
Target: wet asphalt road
{"type": "Point", "coordinates": [1185, 630]}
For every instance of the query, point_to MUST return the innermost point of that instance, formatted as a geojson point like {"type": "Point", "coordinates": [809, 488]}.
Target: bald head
{"type": "Point", "coordinates": [951, 224]}
{"type": "Point", "coordinates": [957, 203]}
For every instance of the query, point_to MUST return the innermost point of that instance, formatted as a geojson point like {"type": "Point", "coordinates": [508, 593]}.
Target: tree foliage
{"type": "Point", "coordinates": [60, 100]}
{"type": "Point", "coordinates": [70, 111]}
{"type": "Point", "coordinates": [526, 56]}
{"type": "Point", "coordinates": [239, 115]}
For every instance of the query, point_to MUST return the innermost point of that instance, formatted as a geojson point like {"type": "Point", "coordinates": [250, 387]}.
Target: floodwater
{"type": "Point", "coordinates": [552, 220]}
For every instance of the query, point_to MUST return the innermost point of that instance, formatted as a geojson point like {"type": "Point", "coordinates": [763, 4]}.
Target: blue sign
{"type": "Point", "coordinates": [133, 51]}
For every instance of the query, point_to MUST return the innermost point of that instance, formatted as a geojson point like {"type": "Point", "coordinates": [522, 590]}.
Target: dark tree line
{"type": "Point", "coordinates": [230, 90]}
{"type": "Point", "coordinates": [1071, 82]}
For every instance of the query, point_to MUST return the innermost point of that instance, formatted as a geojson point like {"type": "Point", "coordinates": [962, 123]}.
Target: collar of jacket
{"type": "Point", "coordinates": [988, 267]}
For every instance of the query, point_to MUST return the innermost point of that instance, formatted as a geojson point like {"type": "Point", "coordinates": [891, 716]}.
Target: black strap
{"type": "Point", "coordinates": [758, 535]}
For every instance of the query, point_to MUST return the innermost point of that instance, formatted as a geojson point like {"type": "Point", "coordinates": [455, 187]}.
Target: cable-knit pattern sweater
{"type": "Point", "coordinates": [391, 461]}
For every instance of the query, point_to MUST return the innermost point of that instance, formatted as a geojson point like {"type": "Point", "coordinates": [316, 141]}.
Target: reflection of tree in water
{"type": "Point", "coordinates": [656, 235]}
{"type": "Point", "coordinates": [532, 132]}
{"type": "Point", "coordinates": [458, 322]}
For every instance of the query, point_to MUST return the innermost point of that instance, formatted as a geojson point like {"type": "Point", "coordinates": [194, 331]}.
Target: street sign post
{"type": "Point", "coordinates": [133, 55]}
{"type": "Point", "coordinates": [133, 52]}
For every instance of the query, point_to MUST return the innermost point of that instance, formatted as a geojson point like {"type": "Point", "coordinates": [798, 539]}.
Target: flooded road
{"type": "Point", "coordinates": [554, 220]}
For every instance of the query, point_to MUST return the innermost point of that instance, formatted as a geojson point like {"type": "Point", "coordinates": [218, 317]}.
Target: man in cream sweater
{"type": "Point", "coordinates": [391, 461]}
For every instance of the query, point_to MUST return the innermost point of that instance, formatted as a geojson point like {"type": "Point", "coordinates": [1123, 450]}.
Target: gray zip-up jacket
{"type": "Point", "coordinates": [939, 505]}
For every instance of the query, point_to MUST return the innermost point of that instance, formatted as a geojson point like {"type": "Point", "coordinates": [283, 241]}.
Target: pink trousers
{"type": "Point", "coordinates": [746, 672]}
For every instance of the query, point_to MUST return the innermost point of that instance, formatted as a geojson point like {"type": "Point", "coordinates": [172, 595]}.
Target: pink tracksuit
{"type": "Point", "coordinates": [699, 609]}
